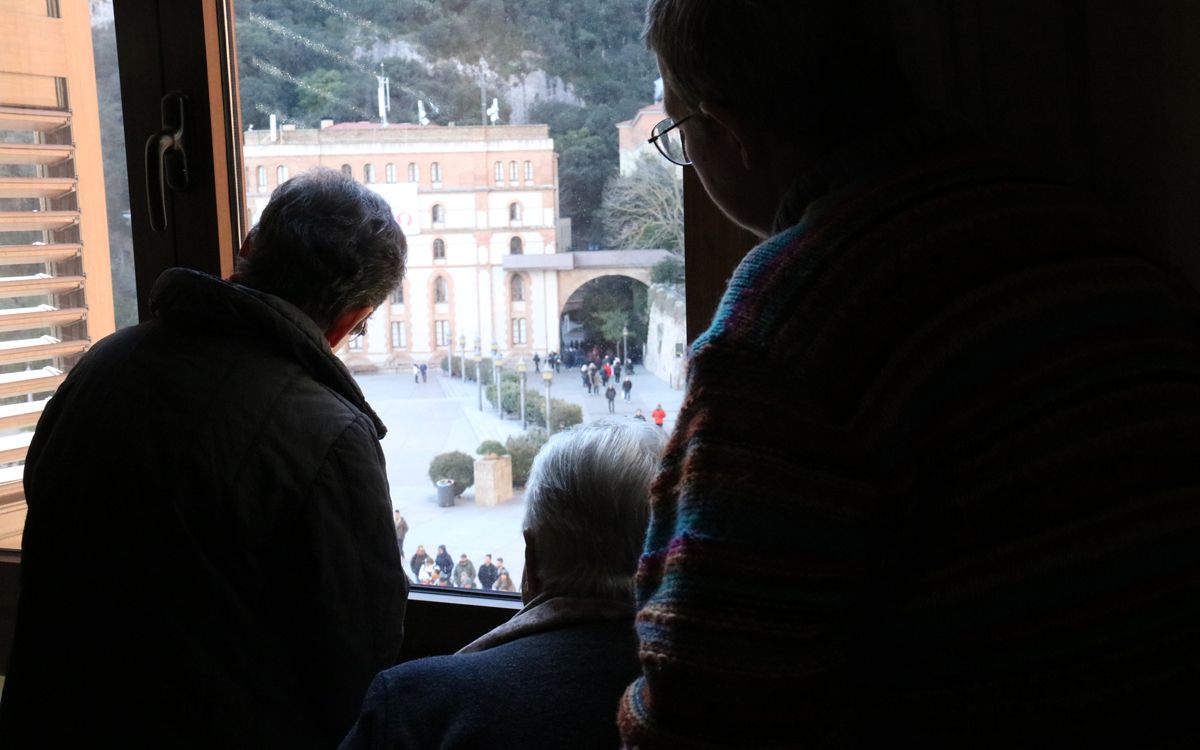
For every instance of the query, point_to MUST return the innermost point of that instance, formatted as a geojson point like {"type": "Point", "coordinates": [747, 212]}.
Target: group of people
{"type": "Point", "coordinates": [442, 570]}
{"type": "Point", "coordinates": [941, 386]}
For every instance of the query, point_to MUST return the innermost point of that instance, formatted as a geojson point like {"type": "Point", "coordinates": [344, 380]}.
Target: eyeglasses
{"type": "Point", "coordinates": [671, 145]}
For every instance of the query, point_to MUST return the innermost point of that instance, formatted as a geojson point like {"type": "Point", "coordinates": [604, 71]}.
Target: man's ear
{"type": "Point", "coordinates": [736, 129]}
{"type": "Point", "coordinates": [531, 582]}
{"type": "Point", "coordinates": [343, 324]}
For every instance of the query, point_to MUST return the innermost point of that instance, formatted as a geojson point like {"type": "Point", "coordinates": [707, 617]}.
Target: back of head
{"type": "Point", "coordinates": [326, 244]}
{"type": "Point", "coordinates": [821, 69]}
{"type": "Point", "coordinates": [587, 504]}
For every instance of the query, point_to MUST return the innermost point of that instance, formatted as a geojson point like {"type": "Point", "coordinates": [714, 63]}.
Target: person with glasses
{"type": "Point", "coordinates": [944, 389]}
{"type": "Point", "coordinates": [223, 463]}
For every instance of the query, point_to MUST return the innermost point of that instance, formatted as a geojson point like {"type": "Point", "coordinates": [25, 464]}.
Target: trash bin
{"type": "Point", "coordinates": [445, 490]}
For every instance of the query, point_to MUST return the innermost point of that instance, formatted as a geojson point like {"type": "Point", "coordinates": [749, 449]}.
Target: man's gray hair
{"type": "Point", "coordinates": [823, 68]}
{"type": "Point", "coordinates": [326, 244]}
{"type": "Point", "coordinates": [587, 503]}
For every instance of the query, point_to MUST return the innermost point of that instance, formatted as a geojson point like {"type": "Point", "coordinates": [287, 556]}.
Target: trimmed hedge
{"type": "Point", "coordinates": [456, 466]}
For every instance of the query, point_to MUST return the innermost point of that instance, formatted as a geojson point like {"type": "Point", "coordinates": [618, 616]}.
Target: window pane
{"type": "Point", "coordinates": [66, 258]}
{"type": "Point", "coordinates": [485, 269]}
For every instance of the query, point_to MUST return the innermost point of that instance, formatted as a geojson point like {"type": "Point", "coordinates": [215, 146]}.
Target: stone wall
{"type": "Point", "coordinates": [666, 347]}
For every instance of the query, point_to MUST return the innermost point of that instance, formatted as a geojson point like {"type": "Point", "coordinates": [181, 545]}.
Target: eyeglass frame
{"type": "Point", "coordinates": [674, 124]}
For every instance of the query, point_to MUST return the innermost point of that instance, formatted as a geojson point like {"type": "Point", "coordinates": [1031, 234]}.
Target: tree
{"type": "Point", "coordinates": [645, 208]}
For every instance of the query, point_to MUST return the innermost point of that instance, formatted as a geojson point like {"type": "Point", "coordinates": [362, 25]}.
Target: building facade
{"type": "Point", "coordinates": [467, 198]}
{"type": "Point", "coordinates": [55, 281]}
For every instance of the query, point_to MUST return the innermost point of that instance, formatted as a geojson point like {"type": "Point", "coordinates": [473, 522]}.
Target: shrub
{"type": "Point", "coordinates": [563, 414]}
{"type": "Point", "coordinates": [669, 270]}
{"type": "Point", "coordinates": [523, 448]}
{"type": "Point", "coordinates": [491, 447]}
{"type": "Point", "coordinates": [456, 466]}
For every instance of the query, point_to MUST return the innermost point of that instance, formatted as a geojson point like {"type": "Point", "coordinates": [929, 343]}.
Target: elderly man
{"type": "Point", "coordinates": [945, 390]}
{"type": "Point", "coordinates": [565, 658]}
{"type": "Point", "coordinates": [222, 462]}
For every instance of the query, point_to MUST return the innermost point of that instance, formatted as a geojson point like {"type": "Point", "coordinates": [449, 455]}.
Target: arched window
{"type": "Point", "coordinates": [368, 173]}
{"type": "Point", "coordinates": [516, 246]}
{"type": "Point", "coordinates": [435, 172]}
{"type": "Point", "coordinates": [398, 295]}
{"type": "Point", "coordinates": [529, 171]}
{"type": "Point", "coordinates": [346, 170]}
{"type": "Point", "coordinates": [389, 172]}
{"type": "Point", "coordinates": [413, 173]}
{"type": "Point", "coordinates": [439, 249]}
{"type": "Point", "coordinates": [438, 213]}
{"type": "Point", "coordinates": [440, 293]}
{"type": "Point", "coordinates": [499, 171]}
{"type": "Point", "coordinates": [512, 171]}
{"type": "Point", "coordinates": [262, 179]}
{"type": "Point", "coordinates": [514, 211]}
{"type": "Point", "coordinates": [280, 174]}
{"type": "Point", "coordinates": [518, 289]}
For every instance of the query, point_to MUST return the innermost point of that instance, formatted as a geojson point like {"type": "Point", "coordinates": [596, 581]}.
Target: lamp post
{"type": "Point", "coordinates": [462, 361]}
{"type": "Point", "coordinates": [624, 344]}
{"type": "Point", "coordinates": [478, 380]}
{"type": "Point", "coordinates": [496, 378]}
{"type": "Point", "coordinates": [521, 377]}
{"type": "Point", "coordinates": [547, 378]}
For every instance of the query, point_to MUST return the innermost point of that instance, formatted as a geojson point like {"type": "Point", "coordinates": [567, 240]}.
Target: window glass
{"type": "Point", "coordinates": [576, 100]}
{"type": "Point", "coordinates": [368, 173]}
{"type": "Point", "coordinates": [398, 295]}
{"type": "Point", "coordinates": [281, 174]}
{"type": "Point", "coordinates": [346, 170]}
{"type": "Point", "coordinates": [390, 172]}
{"type": "Point", "coordinates": [262, 180]}
{"type": "Point", "coordinates": [66, 257]}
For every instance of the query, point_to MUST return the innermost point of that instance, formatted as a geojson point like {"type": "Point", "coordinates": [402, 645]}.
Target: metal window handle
{"type": "Point", "coordinates": [166, 159]}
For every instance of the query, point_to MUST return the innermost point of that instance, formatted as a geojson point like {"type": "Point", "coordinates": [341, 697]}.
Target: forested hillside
{"type": "Point", "coordinates": [308, 59]}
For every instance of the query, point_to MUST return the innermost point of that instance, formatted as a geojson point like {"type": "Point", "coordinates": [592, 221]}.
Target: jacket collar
{"type": "Point", "coordinates": [188, 298]}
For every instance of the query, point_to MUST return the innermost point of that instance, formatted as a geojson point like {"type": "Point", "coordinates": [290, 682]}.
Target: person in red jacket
{"type": "Point", "coordinates": [658, 415]}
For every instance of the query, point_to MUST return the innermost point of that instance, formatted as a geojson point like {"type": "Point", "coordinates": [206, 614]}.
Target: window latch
{"type": "Point", "coordinates": [166, 159]}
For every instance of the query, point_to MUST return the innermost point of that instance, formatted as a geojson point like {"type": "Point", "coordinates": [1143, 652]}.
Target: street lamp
{"type": "Point", "coordinates": [496, 378]}
{"type": "Point", "coordinates": [547, 378]}
{"type": "Point", "coordinates": [624, 344]}
{"type": "Point", "coordinates": [462, 361]}
{"type": "Point", "coordinates": [521, 377]}
{"type": "Point", "coordinates": [478, 380]}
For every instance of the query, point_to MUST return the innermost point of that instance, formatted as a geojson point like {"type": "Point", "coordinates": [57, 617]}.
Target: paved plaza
{"type": "Point", "coordinates": [443, 414]}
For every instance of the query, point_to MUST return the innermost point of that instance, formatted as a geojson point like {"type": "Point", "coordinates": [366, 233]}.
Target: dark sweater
{"type": "Point", "coordinates": [966, 418]}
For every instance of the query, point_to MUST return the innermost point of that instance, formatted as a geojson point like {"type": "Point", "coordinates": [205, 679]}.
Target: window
{"type": "Point", "coordinates": [441, 333]}
{"type": "Point", "coordinates": [516, 246]}
{"type": "Point", "coordinates": [512, 171]}
{"type": "Point", "coordinates": [346, 170]}
{"type": "Point", "coordinates": [438, 214]}
{"type": "Point", "coordinates": [399, 340]}
{"type": "Point", "coordinates": [262, 179]}
{"type": "Point", "coordinates": [435, 172]}
{"type": "Point", "coordinates": [398, 295]}
{"type": "Point", "coordinates": [389, 173]}
{"type": "Point", "coordinates": [439, 249]}
{"type": "Point", "coordinates": [414, 174]}
{"type": "Point", "coordinates": [440, 294]}
{"type": "Point", "coordinates": [281, 174]}
{"type": "Point", "coordinates": [514, 212]}
{"type": "Point", "coordinates": [518, 289]}
{"type": "Point", "coordinates": [499, 172]}
{"type": "Point", "coordinates": [529, 171]}
{"type": "Point", "coordinates": [368, 173]}
{"type": "Point", "coordinates": [519, 331]}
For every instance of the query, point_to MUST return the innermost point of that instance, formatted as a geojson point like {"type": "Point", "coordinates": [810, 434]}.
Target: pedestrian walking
{"type": "Point", "coordinates": [537, 363]}
{"type": "Point", "coordinates": [424, 373]}
{"type": "Point", "coordinates": [627, 386]}
{"type": "Point", "coordinates": [658, 415]}
{"type": "Point", "coordinates": [610, 393]}
{"type": "Point", "coordinates": [416, 373]}
{"type": "Point", "coordinates": [587, 378]}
